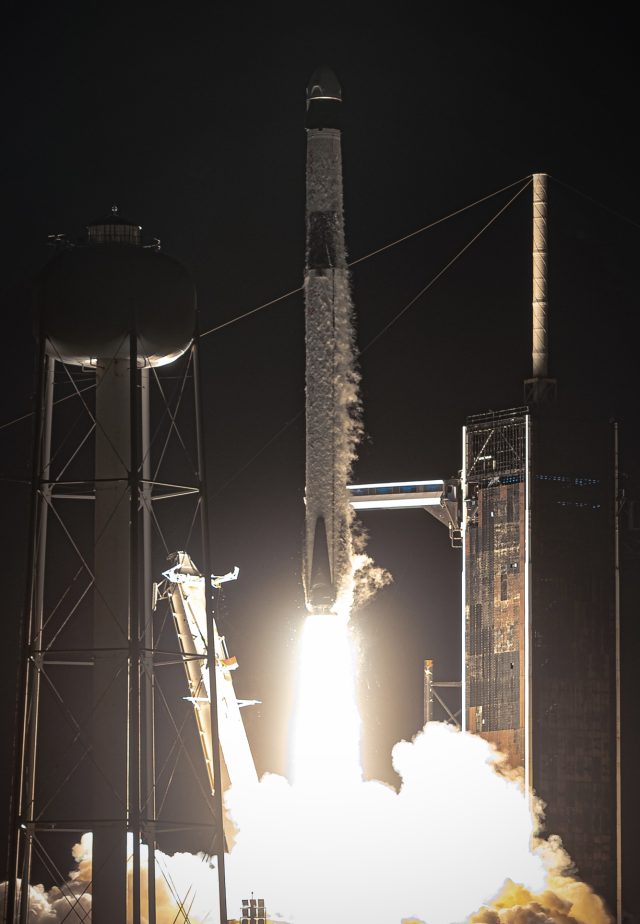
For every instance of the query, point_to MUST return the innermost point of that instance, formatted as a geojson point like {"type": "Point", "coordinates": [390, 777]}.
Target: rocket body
{"type": "Point", "coordinates": [331, 380]}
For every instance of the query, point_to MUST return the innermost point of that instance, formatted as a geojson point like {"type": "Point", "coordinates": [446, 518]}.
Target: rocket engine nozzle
{"type": "Point", "coordinates": [321, 594]}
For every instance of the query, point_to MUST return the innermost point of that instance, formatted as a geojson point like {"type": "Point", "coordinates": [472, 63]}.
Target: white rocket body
{"type": "Point", "coordinates": [331, 381]}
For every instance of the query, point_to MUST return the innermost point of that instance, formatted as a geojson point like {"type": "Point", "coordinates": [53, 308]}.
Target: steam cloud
{"type": "Point", "coordinates": [452, 845]}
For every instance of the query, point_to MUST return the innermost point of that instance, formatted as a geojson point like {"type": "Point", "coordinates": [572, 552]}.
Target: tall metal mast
{"type": "Point", "coordinates": [540, 388]}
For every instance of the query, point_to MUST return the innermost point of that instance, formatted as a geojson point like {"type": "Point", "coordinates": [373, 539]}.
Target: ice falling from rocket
{"type": "Point", "coordinates": [332, 422]}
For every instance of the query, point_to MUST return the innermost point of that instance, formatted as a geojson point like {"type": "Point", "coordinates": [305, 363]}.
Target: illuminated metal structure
{"type": "Point", "coordinates": [540, 622]}
{"type": "Point", "coordinates": [540, 388]}
{"type": "Point", "coordinates": [433, 697]}
{"type": "Point", "coordinates": [540, 618]}
{"type": "Point", "coordinates": [439, 498]}
{"type": "Point", "coordinates": [184, 588]}
{"type": "Point", "coordinates": [536, 515]}
{"type": "Point", "coordinates": [118, 480]}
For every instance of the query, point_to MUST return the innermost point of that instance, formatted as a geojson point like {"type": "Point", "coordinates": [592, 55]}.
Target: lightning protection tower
{"type": "Point", "coordinates": [118, 483]}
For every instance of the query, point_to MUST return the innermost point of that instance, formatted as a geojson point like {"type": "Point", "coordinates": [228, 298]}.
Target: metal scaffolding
{"type": "Point", "coordinates": [495, 600]}
{"type": "Point", "coordinates": [105, 736]}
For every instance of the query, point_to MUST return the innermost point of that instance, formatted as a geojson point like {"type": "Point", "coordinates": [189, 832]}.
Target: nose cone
{"type": "Point", "coordinates": [323, 84]}
{"type": "Point", "coordinates": [324, 100]}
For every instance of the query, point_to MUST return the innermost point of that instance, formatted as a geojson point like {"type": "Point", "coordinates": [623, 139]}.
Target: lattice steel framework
{"type": "Point", "coordinates": [495, 587]}
{"type": "Point", "coordinates": [541, 627]}
{"type": "Point", "coordinates": [65, 784]}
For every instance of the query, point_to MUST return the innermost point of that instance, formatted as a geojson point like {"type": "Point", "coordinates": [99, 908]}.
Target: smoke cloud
{"type": "Point", "coordinates": [566, 901]}
{"type": "Point", "coordinates": [186, 890]}
{"type": "Point", "coordinates": [452, 845]}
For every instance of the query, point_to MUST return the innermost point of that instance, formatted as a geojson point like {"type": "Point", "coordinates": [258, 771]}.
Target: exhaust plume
{"type": "Point", "coordinates": [452, 845]}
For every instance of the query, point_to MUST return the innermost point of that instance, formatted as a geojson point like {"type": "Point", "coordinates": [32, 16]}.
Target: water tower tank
{"type": "Point", "coordinates": [90, 297]}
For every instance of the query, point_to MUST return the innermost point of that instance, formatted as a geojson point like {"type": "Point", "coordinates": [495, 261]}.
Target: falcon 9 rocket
{"type": "Point", "coordinates": [332, 420]}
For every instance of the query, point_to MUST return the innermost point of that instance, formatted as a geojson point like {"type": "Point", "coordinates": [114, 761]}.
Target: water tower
{"type": "Point", "coordinates": [117, 448]}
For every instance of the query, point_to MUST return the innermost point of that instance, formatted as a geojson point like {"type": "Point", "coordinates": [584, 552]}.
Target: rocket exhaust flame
{"type": "Point", "coordinates": [326, 739]}
{"type": "Point", "coordinates": [452, 845]}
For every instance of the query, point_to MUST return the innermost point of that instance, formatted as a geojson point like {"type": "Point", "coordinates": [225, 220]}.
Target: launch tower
{"type": "Point", "coordinates": [539, 599]}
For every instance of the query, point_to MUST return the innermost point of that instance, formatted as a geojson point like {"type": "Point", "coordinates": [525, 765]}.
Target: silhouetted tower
{"type": "Point", "coordinates": [110, 313]}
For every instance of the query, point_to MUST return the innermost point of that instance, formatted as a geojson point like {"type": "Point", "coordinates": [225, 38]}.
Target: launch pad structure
{"type": "Point", "coordinates": [540, 617]}
{"type": "Point", "coordinates": [535, 512]}
{"type": "Point", "coordinates": [541, 620]}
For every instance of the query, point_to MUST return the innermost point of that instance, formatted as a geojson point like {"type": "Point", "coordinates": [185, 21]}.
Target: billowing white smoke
{"type": "Point", "coordinates": [186, 890]}
{"type": "Point", "coordinates": [436, 851]}
{"type": "Point", "coordinates": [330, 847]}
{"type": "Point", "coordinates": [454, 837]}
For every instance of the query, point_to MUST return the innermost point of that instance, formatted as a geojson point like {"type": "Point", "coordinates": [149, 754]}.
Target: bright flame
{"type": "Point", "coordinates": [326, 742]}
{"type": "Point", "coordinates": [453, 845]}
{"type": "Point", "coordinates": [437, 850]}
{"type": "Point", "coordinates": [454, 839]}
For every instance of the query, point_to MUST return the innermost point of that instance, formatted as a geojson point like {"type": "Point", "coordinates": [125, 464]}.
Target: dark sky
{"type": "Point", "coordinates": [191, 120]}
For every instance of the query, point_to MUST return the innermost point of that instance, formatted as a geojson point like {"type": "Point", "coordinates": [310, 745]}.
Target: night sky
{"type": "Point", "coordinates": [192, 121]}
